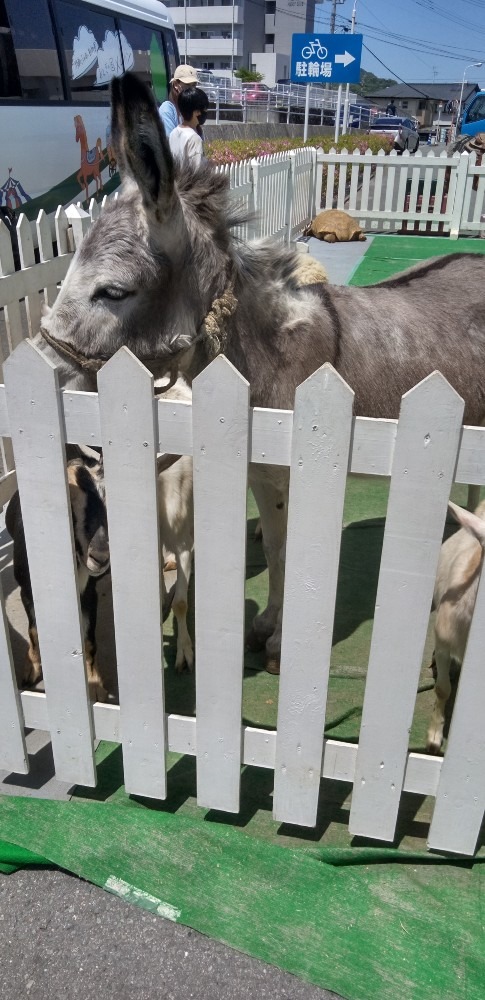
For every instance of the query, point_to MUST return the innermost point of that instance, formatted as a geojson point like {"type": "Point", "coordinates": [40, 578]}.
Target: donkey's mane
{"type": "Point", "coordinates": [205, 197]}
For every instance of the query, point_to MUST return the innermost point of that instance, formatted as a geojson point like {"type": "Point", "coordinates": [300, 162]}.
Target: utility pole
{"type": "Point", "coordinates": [333, 15]}
{"type": "Point", "coordinates": [345, 121]}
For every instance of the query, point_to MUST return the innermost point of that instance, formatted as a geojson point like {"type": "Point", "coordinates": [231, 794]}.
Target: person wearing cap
{"type": "Point", "coordinates": [186, 140]}
{"type": "Point", "coordinates": [185, 76]}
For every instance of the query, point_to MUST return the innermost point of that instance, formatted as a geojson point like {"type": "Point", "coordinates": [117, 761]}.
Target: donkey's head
{"type": "Point", "coordinates": [149, 269]}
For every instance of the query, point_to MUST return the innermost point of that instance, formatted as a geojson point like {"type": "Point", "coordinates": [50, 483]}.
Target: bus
{"type": "Point", "coordinates": [57, 58]}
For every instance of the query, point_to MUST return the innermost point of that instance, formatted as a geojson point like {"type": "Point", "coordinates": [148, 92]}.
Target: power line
{"type": "Point", "coordinates": [420, 92]}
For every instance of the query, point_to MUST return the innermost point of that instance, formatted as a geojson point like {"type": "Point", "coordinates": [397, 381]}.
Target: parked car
{"type": "Point", "coordinates": [257, 93]}
{"type": "Point", "coordinates": [208, 82]}
{"type": "Point", "coordinates": [403, 131]}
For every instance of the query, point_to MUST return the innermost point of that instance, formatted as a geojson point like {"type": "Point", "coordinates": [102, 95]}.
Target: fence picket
{"type": "Point", "coordinates": [342, 181]}
{"type": "Point", "coordinates": [330, 181]}
{"type": "Point", "coordinates": [129, 429]}
{"type": "Point", "coordinates": [13, 752]}
{"type": "Point", "coordinates": [35, 416]}
{"type": "Point", "coordinates": [13, 316]}
{"type": "Point", "coordinates": [427, 442]}
{"type": "Point", "coordinates": [46, 252]}
{"type": "Point", "coordinates": [322, 426]}
{"type": "Point", "coordinates": [221, 451]}
{"type": "Point", "coordinates": [27, 259]}
{"type": "Point", "coordinates": [458, 195]}
{"type": "Point", "coordinates": [61, 227]}
{"type": "Point", "coordinates": [80, 221]}
{"type": "Point", "coordinates": [426, 207]}
{"type": "Point", "coordinates": [460, 799]}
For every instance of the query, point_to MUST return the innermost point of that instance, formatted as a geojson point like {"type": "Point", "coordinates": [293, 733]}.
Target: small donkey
{"type": "Point", "coordinates": [88, 507]}
{"type": "Point", "coordinates": [161, 265]}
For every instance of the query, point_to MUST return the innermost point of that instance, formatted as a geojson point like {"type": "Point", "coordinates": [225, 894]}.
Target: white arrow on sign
{"type": "Point", "coordinates": [345, 58]}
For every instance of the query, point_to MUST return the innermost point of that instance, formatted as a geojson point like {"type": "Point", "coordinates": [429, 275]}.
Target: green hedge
{"type": "Point", "coordinates": [232, 151]}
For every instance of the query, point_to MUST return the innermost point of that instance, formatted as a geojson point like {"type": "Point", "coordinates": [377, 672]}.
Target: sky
{"type": "Point", "coordinates": [421, 41]}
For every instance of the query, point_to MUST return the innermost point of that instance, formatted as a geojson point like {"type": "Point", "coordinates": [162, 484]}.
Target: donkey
{"type": "Point", "coordinates": [161, 272]}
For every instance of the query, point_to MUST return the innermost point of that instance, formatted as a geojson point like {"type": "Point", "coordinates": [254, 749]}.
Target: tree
{"type": "Point", "coordinates": [369, 83]}
{"type": "Point", "coordinates": [248, 76]}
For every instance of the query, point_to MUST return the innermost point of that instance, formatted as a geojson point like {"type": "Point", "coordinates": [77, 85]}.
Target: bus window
{"type": "Point", "coordinates": [172, 54]}
{"type": "Point", "coordinates": [9, 77]}
{"type": "Point", "coordinates": [147, 55]}
{"type": "Point", "coordinates": [92, 51]}
{"type": "Point", "coordinates": [35, 48]}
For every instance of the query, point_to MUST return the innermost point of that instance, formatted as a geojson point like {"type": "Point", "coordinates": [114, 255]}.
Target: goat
{"type": "Point", "coordinates": [455, 591]}
{"type": "Point", "coordinates": [176, 519]}
{"type": "Point", "coordinates": [88, 507]}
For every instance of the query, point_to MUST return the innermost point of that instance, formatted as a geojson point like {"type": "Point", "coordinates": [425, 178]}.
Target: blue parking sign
{"type": "Point", "coordinates": [326, 58]}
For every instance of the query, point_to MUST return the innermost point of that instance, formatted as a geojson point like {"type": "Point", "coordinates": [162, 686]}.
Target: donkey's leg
{"type": "Point", "coordinates": [33, 666]}
{"type": "Point", "coordinates": [89, 608]}
{"type": "Point", "coordinates": [185, 652]}
{"type": "Point", "coordinates": [271, 495]}
{"type": "Point", "coordinates": [442, 692]}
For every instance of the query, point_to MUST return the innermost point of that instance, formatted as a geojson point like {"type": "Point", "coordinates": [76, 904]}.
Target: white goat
{"type": "Point", "coordinates": [176, 517]}
{"type": "Point", "coordinates": [455, 592]}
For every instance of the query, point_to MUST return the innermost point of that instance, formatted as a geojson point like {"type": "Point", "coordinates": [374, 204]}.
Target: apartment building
{"type": "Point", "coordinates": [255, 34]}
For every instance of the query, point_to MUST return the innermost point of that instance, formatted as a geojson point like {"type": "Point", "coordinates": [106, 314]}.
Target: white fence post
{"type": "Point", "coordinates": [129, 428]}
{"type": "Point", "coordinates": [62, 227]}
{"type": "Point", "coordinates": [221, 451]}
{"type": "Point", "coordinates": [46, 252]}
{"type": "Point", "coordinates": [290, 188]}
{"type": "Point", "coordinates": [459, 196]}
{"type": "Point", "coordinates": [80, 222]}
{"type": "Point", "coordinates": [317, 193]}
{"type": "Point", "coordinates": [37, 427]}
{"type": "Point", "coordinates": [322, 424]}
{"type": "Point", "coordinates": [428, 438]}
{"type": "Point", "coordinates": [27, 259]}
{"type": "Point", "coordinates": [256, 197]}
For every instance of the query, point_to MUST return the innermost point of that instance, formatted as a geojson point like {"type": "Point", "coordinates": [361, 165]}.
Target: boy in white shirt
{"type": "Point", "coordinates": [184, 77]}
{"type": "Point", "coordinates": [186, 139]}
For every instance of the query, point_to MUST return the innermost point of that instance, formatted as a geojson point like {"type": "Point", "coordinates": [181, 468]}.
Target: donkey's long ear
{"type": "Point", "coordinates": [139, 139]}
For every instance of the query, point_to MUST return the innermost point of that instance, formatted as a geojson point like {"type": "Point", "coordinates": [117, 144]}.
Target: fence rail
{"type": "Point", "coordinates": [41, 419]}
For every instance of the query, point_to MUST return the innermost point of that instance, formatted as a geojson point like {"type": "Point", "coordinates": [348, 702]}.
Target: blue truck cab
{"type": "Point", "coordinates": [473, 117]}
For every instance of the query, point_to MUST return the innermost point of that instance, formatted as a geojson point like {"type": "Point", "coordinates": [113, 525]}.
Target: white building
{"type": "Point", "coordinates": [255, 34]}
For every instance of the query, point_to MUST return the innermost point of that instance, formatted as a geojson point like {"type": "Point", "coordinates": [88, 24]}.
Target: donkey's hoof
{"type": "Point", "coordinates": [255, 642]}
{"type": "Point", "coordinates": [97, 692]}
{"type": "Point", "coordinates": [32, 672]}
{"type": "Point", "coordinates": [433, 743]}
{"type": "Point", "coordinates": [272, 665]}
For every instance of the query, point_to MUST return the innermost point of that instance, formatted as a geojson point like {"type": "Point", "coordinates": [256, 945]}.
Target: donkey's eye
{"type": "Point", "coordinates": [112, 292]}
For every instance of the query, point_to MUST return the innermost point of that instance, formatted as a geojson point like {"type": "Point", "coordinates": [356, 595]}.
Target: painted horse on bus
{"type": "Point", "coordinates": [91, 159]}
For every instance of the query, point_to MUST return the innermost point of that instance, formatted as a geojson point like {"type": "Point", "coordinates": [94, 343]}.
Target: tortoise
{"type": "Point", "coordinates": [334, 226]}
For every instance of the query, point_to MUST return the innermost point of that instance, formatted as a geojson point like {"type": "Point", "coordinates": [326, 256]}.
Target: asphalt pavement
{"type": "Point", "coordinates": [64, 939]}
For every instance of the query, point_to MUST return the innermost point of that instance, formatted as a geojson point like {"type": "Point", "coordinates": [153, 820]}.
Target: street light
{"type": "Point", "coordinates": [477, 66]}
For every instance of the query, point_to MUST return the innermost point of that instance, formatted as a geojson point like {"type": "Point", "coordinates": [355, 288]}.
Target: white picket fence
{"type": "Point", "coordinates": [280, 192]}
{"type": "Point", "coordinates": [416, 193]}
{"type": "Point", "coordinates": [322, 443]}
{"type": "Point", "coordinates": [423, 453]}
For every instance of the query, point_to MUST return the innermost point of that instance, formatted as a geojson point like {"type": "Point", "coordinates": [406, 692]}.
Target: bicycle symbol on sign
{"type": "Point", "coordinates": [316, 49]}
